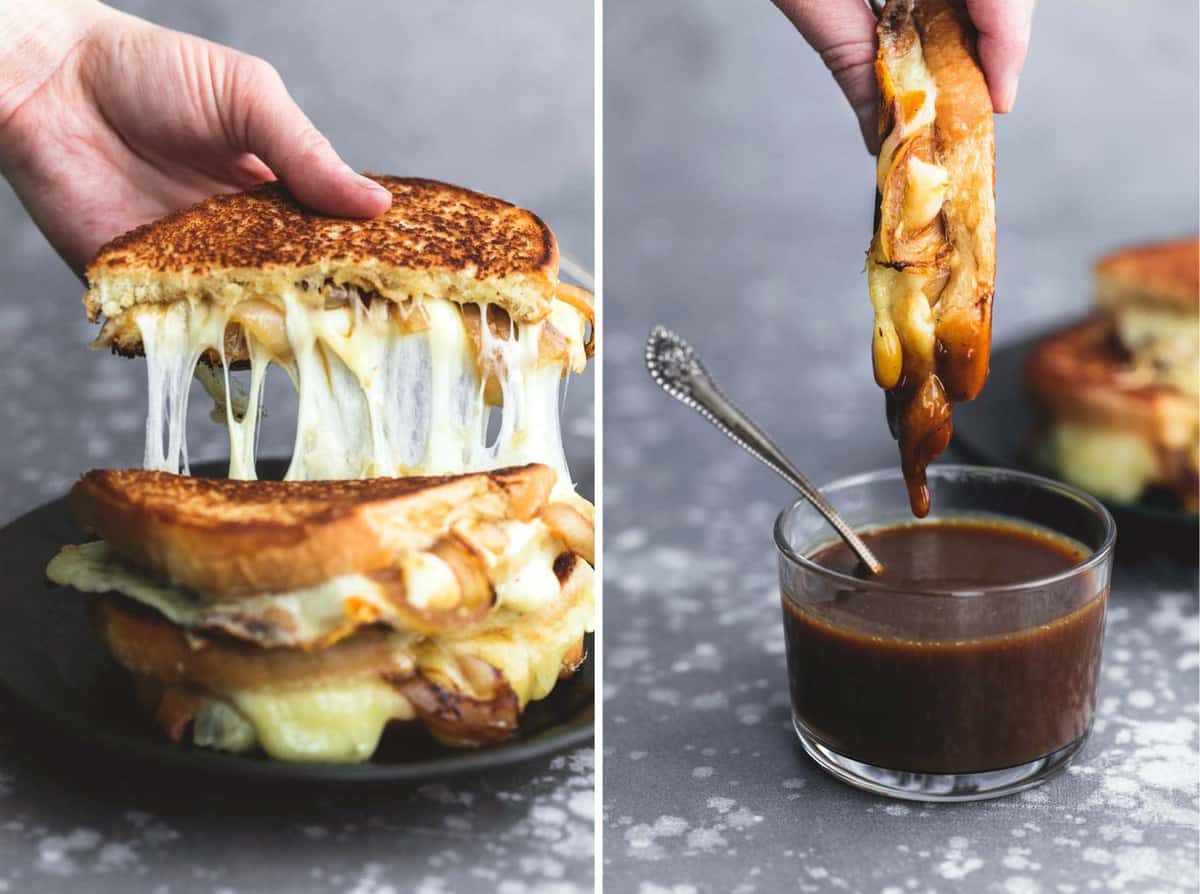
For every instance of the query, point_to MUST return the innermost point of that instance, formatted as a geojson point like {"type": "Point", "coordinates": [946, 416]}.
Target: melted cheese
{"type": "Point", "coordinates": [373, 399]}
{"type": "Point", "coordinates": [900, 304]}
{"type": "Point", "coordinates": [337, 722]}
{"type": "Point", "coordinates": [430, 582]}
{"type": "Point", "coordinates": [529, 655]}
{"type": "Point", "coordinates": [313, 614]}
{"type": "Point", "coordinates": [911, 79]}
{"type": "Point", "coordinates": [343, 721]}
{"type": "Point", "coordinates": [174, 338]}
{"type": "Point", "coordinates": [898, 297]}
{"type": "Point", "coordinates": [925, 192]}
{"type": "Point", "coordinates": [522, 571]}
{"type": "Point", "coordinates": [243, 428]}
{"type": "Point", "coordinates": [533, 585]}
{"type": "Point", "coordinates": [1111, 464]}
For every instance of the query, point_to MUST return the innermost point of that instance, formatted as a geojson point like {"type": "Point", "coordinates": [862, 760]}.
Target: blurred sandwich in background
{"type": "Point", "coordinates": [1118, 390]}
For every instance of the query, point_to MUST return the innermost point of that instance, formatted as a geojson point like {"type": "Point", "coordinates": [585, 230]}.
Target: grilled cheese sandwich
{"type": "Point", "coordinates": [1118, 391]}
{"type": "Point", "coordinates": [931, 263]}
{"type": "Point", "coordinates": [466, 593]}
{"type": "Point", "coordinates": [410, 567]}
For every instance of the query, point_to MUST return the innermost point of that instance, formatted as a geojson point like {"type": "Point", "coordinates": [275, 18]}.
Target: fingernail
{"type": "Point", "coordinates": [368, 185]}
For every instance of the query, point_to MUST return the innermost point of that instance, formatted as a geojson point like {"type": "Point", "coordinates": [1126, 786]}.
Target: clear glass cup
{"type": "Point", "coordinates": [945, 695]}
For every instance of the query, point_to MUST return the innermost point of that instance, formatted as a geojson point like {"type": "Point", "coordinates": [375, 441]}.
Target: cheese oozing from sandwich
{"type": "Point", "coordinates": [521, 574]}
{"type": "Point", "coordinates": [382, 389]}
{"type": "Point", "coordinates": [1117, 465]}
{"type": "Point", "coordinates": [341, 717]}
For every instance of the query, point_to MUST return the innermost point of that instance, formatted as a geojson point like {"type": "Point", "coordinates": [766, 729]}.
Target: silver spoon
{"type": "Point", "coordinates": [673, 364]}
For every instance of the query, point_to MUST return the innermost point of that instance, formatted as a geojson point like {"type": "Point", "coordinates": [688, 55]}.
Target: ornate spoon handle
{"type": "Point", "coordinates": [673, 364]}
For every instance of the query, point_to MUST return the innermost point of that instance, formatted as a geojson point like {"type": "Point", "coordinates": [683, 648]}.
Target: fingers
{"type": "Point", "coordinates": [264, 120]}
{"type": "Point", "coordinates": [1004, 27]}
{"type": "Point", "coordinates": [843, 33]}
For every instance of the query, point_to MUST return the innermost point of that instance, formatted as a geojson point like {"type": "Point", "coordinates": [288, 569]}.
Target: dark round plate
{"type": "Point", "coordinates": [994, 429]}
{"type": "Point", "coordinates": [54, 667]}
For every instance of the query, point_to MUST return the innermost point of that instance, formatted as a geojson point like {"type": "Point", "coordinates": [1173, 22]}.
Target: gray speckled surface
{"type": "Point", "coordinates": [396, 90]}
{"type": "Point", "coordinates": [738, 207]}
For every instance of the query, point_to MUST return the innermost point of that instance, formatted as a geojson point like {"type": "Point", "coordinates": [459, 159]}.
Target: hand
{"type": "Point", "coordinates": [108, 122]}
{"type": "Point", "coordinates": [843, 32]}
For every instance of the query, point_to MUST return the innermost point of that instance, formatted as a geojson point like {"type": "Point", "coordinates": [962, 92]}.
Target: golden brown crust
{"type": "Point", "coordinates": [146, 644]}
{"type": "Point", "coordinates": [437, 240]}
{"type": "Point", "coordinates": [1078, 374]}
{"type": "Point", "coordinates": [237, 538]}
{"type": "Point", "coordinates": [963, 131]}
{"type": "Point", "coordinates": [1166, 274]}
{"type": "Point", "coordinates": [935, 237]}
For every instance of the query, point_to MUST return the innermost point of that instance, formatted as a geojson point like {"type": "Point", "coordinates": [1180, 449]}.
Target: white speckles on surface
{"type": "Point", "coordinates": [958, 862]}
{"type": "Point", "coordinates": [58, 854]}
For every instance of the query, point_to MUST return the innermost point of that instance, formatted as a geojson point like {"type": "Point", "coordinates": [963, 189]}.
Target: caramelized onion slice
{"type": "Point", "coordinates": [470, 602]}
{"type": "Point", "coordinates": [488, 713]}
{"type": "Point", "coordinates": [584, 302]}
{"type": "Point", "coordinates": [577, 533]}
{"type": "Point", "coordinates": [903, 240]}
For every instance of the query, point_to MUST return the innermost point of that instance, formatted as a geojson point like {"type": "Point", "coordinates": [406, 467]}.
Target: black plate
{"type": "Point", "coordinates": [54, 667]}
{"type": "Point", "coordinates": [994, 429]}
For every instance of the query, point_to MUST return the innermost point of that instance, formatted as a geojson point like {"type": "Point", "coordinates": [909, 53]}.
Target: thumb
{"type": "Point", "coordinates": [843, 33]}
{"type": "Point", "coordinates": [1003, 27]}
{"type": "Point", "coordinates": [263, 119]}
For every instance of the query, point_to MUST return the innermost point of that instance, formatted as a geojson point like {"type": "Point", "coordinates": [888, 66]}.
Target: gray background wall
{"type": "Point", "coordinates": [738, 205]}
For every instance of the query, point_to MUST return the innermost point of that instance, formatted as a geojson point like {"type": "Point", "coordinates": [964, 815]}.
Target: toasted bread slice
{"type": "Point", "coordinates": [1159, 274]}
{"type": "Point", "coordinates": [227, 538]}
{"type": "Point", "coordinates": [1095, 402]}
{"type": "Point", "coordinates": [436, 241]}
{"type": "Point", "coordinates": [931, 265]}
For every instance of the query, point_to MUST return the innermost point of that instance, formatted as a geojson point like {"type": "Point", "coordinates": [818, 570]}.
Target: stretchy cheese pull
{"type": "Point", "coordinates": [377, 396]}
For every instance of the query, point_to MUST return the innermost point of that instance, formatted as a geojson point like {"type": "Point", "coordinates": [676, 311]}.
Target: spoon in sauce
{"type": "Point", "coordinates": [673, 364]}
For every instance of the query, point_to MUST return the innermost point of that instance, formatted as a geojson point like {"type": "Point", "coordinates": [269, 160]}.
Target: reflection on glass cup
{"type": "Point", "coordinates": [975, 674]}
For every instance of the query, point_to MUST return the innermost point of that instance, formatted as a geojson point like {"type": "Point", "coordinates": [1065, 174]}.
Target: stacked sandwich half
{"type": "Point", "coordinates": [423, 560]}
{"type": "Point", "coordinates": [1119, 390]}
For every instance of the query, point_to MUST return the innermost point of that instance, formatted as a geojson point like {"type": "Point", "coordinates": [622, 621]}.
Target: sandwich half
{"type": "Point", "coordinates": [932, 262]}
{"type": "Point", "coordinates": [401, 333]}
{"type": "Point", "coordinates": [301, 618]}
{"type": "Point", "coordinates": [1119, 392]}
{"type": "Point", "coordinates": [423, 561]}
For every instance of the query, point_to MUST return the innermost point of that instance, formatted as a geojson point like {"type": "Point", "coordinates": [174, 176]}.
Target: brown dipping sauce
{"type": "Point", "coordinates": [941, 684]}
